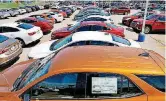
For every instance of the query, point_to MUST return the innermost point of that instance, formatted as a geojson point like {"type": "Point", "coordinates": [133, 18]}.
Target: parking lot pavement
{"type": "Point", "coordinates": [155, 42]}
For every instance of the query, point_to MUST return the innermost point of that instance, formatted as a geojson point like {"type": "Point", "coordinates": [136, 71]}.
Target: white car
{"type": "Point", "coordinates": [80, 38]}
{"type": "Point", "coordinates": [25, 33]}
{"type": "Point", "coordinates": [41, 7]}
{"type": "Point", "coordinates": [22, 11]}
{"type": "Point", "coordinates": [94, 18]}
{"type": "Point", "coordinates": [57, 16]}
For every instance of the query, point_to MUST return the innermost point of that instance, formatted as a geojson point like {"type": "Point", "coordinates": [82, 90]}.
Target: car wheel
{"type": "Point", "coordinates": [56, 21]}
{"type": "Point", "coordinates": [21, 42]}
{"type": "Point", "coordinates": [129, 23]}
{"type": "Point", "coordinates": [147, 30]}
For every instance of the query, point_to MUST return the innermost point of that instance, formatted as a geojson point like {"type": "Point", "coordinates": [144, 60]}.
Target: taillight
{"type": "Point", "coordinates": [31, 33]}
{"type": "Point", "coordinates": [3, 51]}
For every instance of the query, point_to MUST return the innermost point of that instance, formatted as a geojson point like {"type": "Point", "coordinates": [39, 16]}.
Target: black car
{"type": "Point", "coordinates": [46, 6]}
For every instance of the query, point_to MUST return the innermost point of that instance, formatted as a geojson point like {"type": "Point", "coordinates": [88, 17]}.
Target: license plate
{"type": "Point", "coordinates": [13, 48]}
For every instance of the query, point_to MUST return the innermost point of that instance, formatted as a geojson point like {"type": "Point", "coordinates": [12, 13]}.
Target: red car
{"type": "Point", "coordinates": [128, 19]}
{"type": "Point", "coordinates": [44, 25]}
{"type": "Point", "coordinates": [120, 10]}
{"type": "Point", "coordinates": [155, 22]}
{"type": "Point", "coordinates": [88, 26]}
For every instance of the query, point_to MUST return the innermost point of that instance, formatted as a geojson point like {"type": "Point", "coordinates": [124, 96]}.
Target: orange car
{"type": "Point", "coordinates": [48, 17]}
{"type": "Point", "coordinates": [87, 73]}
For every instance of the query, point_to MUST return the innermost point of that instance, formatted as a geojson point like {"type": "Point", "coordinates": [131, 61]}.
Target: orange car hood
{"type": "Point", "coordinates": [8, 76]}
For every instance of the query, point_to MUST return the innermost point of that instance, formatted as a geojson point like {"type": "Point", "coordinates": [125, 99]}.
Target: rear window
{"type": "Point", "coordinates": [3, 38]}
{"type": "Point", "coordinates": [157, 82]}
{"type": "Point", "coordinates": [25, 26]}
{"type": "Point", "coordinates": [120, 40]}
{"type": "Point", "coordinates": [111, 25]}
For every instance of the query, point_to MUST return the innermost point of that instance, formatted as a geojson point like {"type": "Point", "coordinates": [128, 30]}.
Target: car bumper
{"type": "Point", "coordinates": [47, 29]}
{"type": "Point", "coordinates": [34, 38]}
{"type": "Point", "coordinates": [7, 59]}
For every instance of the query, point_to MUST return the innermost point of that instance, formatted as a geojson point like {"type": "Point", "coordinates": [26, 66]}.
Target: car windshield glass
{"type": "Point", "coordinates": [157, 82]}
{"type": "Point", "coordinates": [120, 40]}
{"type": "Point", "coordinates": [37, 69]}
{"type": "Point", "coordinates": [74, 27]}
{"type": "Point", "coordinates": [151, 17]}
{"type": "Point", "coordinates": [60, 43]}
{"type": "Point", "coordinates": [3, 38]}
{"type": "Point", "coordinates": [25, 26]}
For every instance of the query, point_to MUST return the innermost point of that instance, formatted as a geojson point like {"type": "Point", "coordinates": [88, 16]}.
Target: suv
{"type": "Point", "coordinates": [120, 10]}
{"type": "Point", "coordinates": [155, 22]}
{"type": "Point", "coordinates": [128, 19]}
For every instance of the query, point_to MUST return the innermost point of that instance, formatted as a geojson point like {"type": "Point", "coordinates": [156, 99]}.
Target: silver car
{"type": "Point", "coordinates": [4, 14]}
{"type": "Point", "coordinates": [10, 49]}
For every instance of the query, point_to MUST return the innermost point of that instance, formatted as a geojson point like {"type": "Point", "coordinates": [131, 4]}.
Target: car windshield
{"type": "Point", "coordinates": [3, 38]}
{"type": "Point", "coordinates": [157, 82]}
{"type": "Point", "coordinates": [25, 26]}
{"type": "Point", "coordinates": [120, 40]}
{"type": "Point", "coordinates": [60, 43]}
{"type": "Point", "coordinates": [74, 27]}
{"type": "Point", "coordinates": [37, 69]}
{"type": "Point", "coordinates": [151, 17]}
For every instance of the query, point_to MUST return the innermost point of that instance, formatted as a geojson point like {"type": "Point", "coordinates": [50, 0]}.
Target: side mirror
{"type": "Point", "coordinates": [26, 97]}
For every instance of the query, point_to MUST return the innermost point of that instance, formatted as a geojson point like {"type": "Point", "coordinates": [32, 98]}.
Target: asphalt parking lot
{"type": "Point", "coordinates": [155, 41]}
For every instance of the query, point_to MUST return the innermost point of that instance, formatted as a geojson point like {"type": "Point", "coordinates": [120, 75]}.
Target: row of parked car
{"type": "Point", "coordinates": [14, 36]}
{"type": "Point", "coordinates": [92, 62]}
{"type": "Point", "coordinates": [155, 22]}
{"type": "Point", "coordinates": [12, 12]}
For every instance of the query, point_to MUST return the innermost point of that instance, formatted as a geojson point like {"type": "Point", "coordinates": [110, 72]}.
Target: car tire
{"type": "Point", "coordinates": [129, 23]}
{"type": "Point", "coordinates": [56, 21]}
{"type": "Point", "coordinates": [21, 42]}
{"type": "Point", "coordinates": [147, 29]}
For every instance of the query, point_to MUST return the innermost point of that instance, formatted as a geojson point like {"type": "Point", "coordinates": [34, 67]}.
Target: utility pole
{"type": "Point", "coordinates": [141, 36]}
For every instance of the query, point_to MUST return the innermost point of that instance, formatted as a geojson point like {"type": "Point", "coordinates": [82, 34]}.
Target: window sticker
{"type": "Point", "coordinates": [104, 85]}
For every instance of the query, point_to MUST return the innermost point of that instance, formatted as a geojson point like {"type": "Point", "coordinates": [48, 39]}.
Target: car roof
{"type": "Point", "coordinates": [14, 24]}
{"type": "Point", "coordinates": [92, 23]}
{"type": "Point", "coordinates": [92, 35]}
{"type": "Point", "coordinates": [100, 16]}
{"type": "Point", "coordinates": [31, 18]}
{"type": "Point", "coordinates": [104, 59]}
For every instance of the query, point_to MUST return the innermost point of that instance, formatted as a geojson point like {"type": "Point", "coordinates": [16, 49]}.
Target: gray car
{"type": "Point", "coordinates": [4, 14]}
{"type": "Point", "coordinates": [15, 11]}
{"type": "Point", "coordinates": [10, 49]}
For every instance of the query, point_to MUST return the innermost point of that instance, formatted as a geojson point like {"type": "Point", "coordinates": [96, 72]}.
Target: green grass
{"type": "Point", "coordinates": [8, 5]}
{"type": "Point", "coordinates": [14, 5]}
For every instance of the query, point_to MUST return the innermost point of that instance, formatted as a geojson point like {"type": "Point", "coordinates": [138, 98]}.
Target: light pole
{"type": "Point", "coordinates": [141, 36]}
